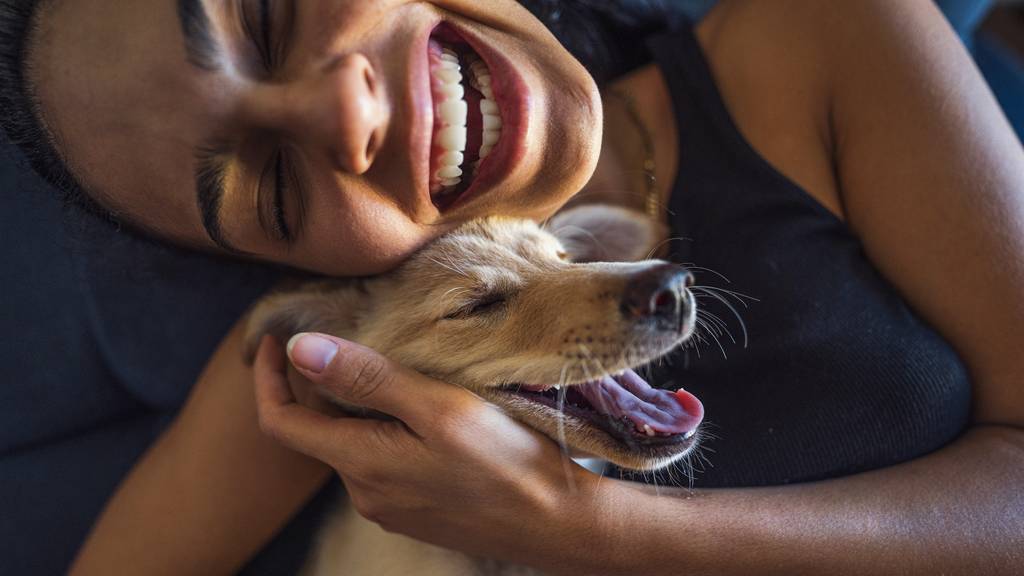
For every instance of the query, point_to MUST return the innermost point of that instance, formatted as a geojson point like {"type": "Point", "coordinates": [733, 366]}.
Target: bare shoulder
{"type": "Point", "coordinates": [771, 70]}
{"type": "Point", "coordinates": [927, 171]}
{"type": "Point", "coordinates": [781, 66]}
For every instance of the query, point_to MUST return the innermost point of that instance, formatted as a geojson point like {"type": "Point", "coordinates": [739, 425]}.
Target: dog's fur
{"type": "Point", "coordinates": [495, 304]}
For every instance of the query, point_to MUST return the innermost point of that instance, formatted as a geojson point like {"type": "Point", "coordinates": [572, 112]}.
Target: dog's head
{"type": "Point", "coordinates": [525, 317]}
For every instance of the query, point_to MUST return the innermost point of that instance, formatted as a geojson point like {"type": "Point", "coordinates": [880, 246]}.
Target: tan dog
{"type": "Point", "coordinates": [526, 318]}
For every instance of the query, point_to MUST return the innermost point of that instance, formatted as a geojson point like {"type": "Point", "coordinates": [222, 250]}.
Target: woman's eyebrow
{"type": "Point", "coordinates": [200, 44]}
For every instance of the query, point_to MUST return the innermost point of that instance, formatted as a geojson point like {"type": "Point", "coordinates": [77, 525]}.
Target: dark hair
{"type": "Point", "coordinates": [20, 117]}
{"type": "Point", "coordinates": [607, 35]}
{"type": "Point", "coordinates": [603, 34]}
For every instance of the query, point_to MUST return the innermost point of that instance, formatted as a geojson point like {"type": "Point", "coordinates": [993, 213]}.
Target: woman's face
{"type": "Point", "coordinates": [323, 134]}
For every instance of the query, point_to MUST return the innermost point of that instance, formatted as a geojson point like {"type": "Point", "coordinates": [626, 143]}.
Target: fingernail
{"type": "Point", "coordinates": [311, 352]}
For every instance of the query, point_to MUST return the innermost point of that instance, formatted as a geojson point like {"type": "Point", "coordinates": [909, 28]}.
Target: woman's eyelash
{"type": "Point", "coordinates": [271, 201]}
{"type": "Point", "coordinates": [280, 191]}
{"type": "Point", "coordinates": [259, 31]}
{"type": "Point", "coordinates": [269, 26]}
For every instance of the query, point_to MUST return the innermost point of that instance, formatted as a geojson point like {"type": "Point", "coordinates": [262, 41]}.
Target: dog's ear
{"type": "Point", "coordinates": [327, 307]}
{"type": "Point", "coordinates": [603, 233]}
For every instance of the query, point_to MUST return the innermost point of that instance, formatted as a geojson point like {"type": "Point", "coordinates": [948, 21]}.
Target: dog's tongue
{"type": "Point", "coordinates": [652, 411]}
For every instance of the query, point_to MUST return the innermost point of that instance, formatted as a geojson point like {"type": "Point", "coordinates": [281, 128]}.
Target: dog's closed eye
{"type": "Point", "coordinates": [484, 304]}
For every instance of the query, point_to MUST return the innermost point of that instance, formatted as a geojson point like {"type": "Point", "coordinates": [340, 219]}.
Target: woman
{"type": "Point", "coordinates": [830, 160]}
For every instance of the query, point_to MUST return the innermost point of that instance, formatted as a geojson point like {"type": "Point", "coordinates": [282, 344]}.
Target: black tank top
{"type": "Point", "coordinates": [839, 375]}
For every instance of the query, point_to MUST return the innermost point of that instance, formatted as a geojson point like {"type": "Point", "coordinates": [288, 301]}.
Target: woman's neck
{"type": "Point", "coordinates": [629, 141]}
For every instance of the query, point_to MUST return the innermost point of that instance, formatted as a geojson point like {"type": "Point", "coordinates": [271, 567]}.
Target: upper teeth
{"type": "Point", "coordinates": [452, 111]}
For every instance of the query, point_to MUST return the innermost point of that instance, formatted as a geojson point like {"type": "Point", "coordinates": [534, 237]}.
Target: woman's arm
{"type": "Point", "coordinates": [957, 511]}
{"type": "Point", "coordinates": [210, 492]}
{"type": "Point", "coordinates": [932, 179]}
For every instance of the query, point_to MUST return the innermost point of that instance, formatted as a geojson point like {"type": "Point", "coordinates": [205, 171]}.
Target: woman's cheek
{"type": "Point", "coordinates": [365, 242]}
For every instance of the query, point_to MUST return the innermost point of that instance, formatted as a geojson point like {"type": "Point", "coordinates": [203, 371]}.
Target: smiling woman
{"type": "Point", "coordinates": [294, 116]}
{"type": "Point", "coordinates": [841, 161]}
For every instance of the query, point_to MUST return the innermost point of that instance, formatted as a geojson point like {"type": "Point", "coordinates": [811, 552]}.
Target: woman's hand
{"type": "Point", "coordinates": [453, 470]}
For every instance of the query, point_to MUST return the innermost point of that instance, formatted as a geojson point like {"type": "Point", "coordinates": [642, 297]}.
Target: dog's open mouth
{"type": "Point", "coordinates": [624, 406]}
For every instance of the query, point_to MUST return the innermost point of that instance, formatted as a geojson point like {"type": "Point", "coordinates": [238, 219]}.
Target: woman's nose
{"type": "Point", "coordinates": [341, 110]}
{"type": "Point", "coordinates": [359, 124]}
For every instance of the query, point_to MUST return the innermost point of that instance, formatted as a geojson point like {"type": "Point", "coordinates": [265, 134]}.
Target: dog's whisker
{"type": "Point", "coordinates": [741, 298]}
{"type": "Point", "coordinates": [708, 315]}
{"type": "Point", "coordinates": [658, 246]}
{"type": "Point", "coordinates": [722, 327]}
{"type": "Point", "coordinates": [743, 325]}
{"type": "Point", "coordinates": [562, 443]}
{"type": "Point", "coordinates": [709, 324]}
{"type": "Point", "coordinates": [692, 266]}
{"type": "Point", "coordinates": [448, 266]}
{"type": "Point", "coordinates": [712, 333]}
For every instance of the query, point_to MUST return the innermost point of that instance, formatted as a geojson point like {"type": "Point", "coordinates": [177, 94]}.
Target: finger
{"type": "Point", "coordinates": [337, 441]}
{"type": "Point", "coordinates": [268, 368]}
{"type": "Point", "coordinates": [358, 375]}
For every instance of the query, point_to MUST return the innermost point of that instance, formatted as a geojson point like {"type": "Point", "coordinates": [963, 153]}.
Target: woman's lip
{"type": "Point", "coordinates": [512, 96]}
{"type": "Point", "coordinates": [421, 114]}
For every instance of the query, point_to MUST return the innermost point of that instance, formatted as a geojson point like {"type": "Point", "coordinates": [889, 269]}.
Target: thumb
{"type": "Point", "coordinates": [355, 374]}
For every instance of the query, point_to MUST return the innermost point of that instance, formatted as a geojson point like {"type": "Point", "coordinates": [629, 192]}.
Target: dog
{"type": "Point", "coordinates": [548, 323]}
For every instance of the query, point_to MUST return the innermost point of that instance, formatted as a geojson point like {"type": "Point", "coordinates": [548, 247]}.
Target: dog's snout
{"type": "Point", "coordinates": [658, 293]}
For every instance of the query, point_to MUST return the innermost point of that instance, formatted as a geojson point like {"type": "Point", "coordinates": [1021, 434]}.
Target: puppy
{"type": "Point", "coordinates": [549, 324]}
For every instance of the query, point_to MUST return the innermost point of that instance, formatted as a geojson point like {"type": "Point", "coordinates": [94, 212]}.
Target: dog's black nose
{"type": "Point", "coordinates": [658, 293]}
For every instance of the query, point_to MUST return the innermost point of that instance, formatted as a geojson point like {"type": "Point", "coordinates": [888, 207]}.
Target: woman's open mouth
{"type": "Point", "coordinates": [477, 105]}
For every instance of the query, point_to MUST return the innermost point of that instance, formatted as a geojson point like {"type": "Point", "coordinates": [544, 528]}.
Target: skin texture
{"type": "Point", "coordinates": [883, 119]}
{"type": "Point", "coordinates": [338, 102]}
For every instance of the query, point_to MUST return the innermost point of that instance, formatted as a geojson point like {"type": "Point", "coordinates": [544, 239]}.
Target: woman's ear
{"type": "Point", "coordinates": [326, 307]}
{"type": "Point", "coordinates": [603, 233]}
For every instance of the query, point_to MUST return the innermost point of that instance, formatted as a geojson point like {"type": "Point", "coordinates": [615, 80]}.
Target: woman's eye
{"type": "Point", "coordinates": [268, 27]}
{"type": "Point", "coordinates": [274, 186]}
{"type": "Point", "coordinates": [256, 22]}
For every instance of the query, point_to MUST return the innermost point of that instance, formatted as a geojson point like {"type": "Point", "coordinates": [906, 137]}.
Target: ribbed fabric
{"type": "Point", "coordinates": [840, 375]}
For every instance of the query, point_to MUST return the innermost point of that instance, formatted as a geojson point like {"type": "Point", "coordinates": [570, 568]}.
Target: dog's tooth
{"type": "Point", "coordinates": [557, 386]}
{"type": "Point", "coordinates": [690, 434]}
{"type": "Point", "coordinates": [648, 430]}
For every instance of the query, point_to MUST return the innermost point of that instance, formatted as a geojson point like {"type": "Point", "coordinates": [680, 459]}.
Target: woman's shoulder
{"type": "Point", "coordinates": [775, 65]}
